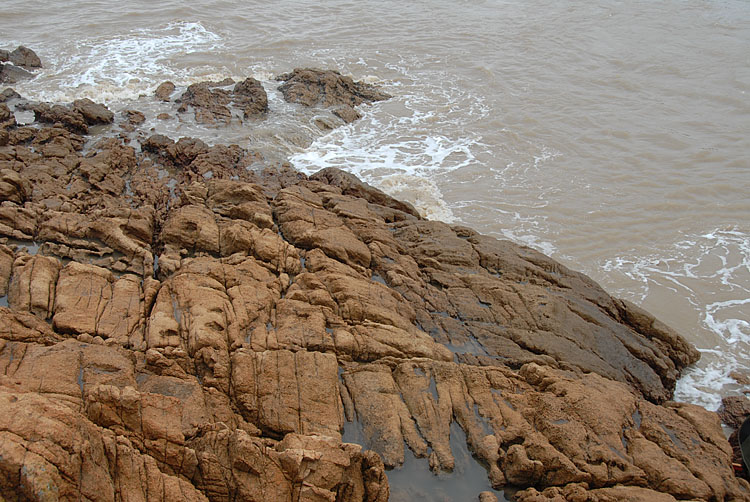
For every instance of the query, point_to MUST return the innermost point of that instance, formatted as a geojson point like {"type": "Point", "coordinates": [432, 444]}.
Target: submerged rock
{"type": "Point", "coordinates": [164, 91]}
{"type": "Point", "coordinates": [208, 332]}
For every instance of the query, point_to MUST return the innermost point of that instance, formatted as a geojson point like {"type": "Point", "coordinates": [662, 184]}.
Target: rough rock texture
{"type": "Point", "coordinates": [164, 91]}
{"type": "Point", "coordinates": [175, 335]}
{"type": "Point", "coordinates": [77, 118]}
{"type": "Point", "coordinates": [733, 411]}
{"type": "Point", "coordinates": [21, 56]}
{"type": "Point", "coordinates": [330, 89]}
{"type": "Point", "coordinates": [213, 105]}
{"type": "Point", "coordinates": [19, 61]}
{"type": "Point", "coordinates": [10, 74]}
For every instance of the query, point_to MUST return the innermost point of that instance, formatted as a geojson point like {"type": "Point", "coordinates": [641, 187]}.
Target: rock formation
{"type": "Point", "coordinates": [20, 60]}
{"type": "Point", "coordinates": [186, 336]}
{"type": "Point", "coordinates": [330, 89]}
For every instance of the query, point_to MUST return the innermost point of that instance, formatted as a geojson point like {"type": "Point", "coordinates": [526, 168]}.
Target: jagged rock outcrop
{"type": "Point", "coordinates": [213, 105]}
{"type": "Point", "coordinates": [19, 61]}
{"type": "Point", "coordinates": [329, 89]}
{"type": "Point", "coordinates": [175, 335]}
{"type": "Point", "coordinates": [21, 56]}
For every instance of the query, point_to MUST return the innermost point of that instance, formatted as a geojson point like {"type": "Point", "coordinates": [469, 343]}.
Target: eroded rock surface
{"type": "Point", "coordinates": [21, 56]}
{"type": "Point", "coordinates": [329, 89]}
{"type": "Point", "coordinates": [18, 62]}
{"type": "Point", "coordinates": [175, 335]}
{"type": "Point", "coordinates": [213, 105]}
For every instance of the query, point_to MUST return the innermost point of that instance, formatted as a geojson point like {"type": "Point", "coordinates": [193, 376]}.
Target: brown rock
{"type": "Point", "coordinates": [93, 113]}
{"type": "Point", "coordinates": [209, 105]}
{"type": "Point", "coordinates": [251, 97]}
{"type": "Point", "coordinates": [352, 186]}
{"type": "Point", "coordinates": [164, 91]}
{"type": "Point", "coordinates": [70, 119]}
{"type": "Point", "coordinates": [487, 497]}
{"type": "Point", "coordinates": [327, 88]}
{"type": "Point", "coordinates": [13, 187]}
{"type": "Point", "coordinates": [11, 74]}
{"type": "Point", "coordinates": [8, 94]}
{"type": "Point", "coordinates": [346, 113]}
{"type": "Point", "coordinates": [307, 224]}
{"type": "Point", "coordinates": [32, 287]}
{"type": "Point", "coordinates": [283, 309]}
{"type": "Point", "coordinates": [23, 56]}
{"type": "Point", "coordinates": [734, 410]}
{"type": "Point", "coordinates": [134, 116]}
{"type": "Point", "coordinates": [7, 119]}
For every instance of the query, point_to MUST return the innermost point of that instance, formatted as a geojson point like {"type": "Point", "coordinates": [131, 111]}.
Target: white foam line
{"type": "Point", "coordinates": [121, 67]}
{"type": "Point", "coordinates": [689, 270]}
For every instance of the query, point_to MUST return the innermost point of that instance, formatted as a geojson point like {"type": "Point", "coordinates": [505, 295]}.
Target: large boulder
{"type": "Point", "coordinates": [21, 56]}
{"type": "Point", "coordinates": [11, 74]}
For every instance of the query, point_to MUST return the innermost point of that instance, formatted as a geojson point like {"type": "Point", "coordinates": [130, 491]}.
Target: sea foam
{"type": "Point", "coordinates": [123, 66]}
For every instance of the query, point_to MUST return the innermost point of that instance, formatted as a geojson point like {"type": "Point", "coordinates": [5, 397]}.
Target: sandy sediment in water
{"type": "Point", "coordinates": [181, 327]}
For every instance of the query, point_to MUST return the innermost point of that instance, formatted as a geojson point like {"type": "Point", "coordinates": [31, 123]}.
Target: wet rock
{"type": "Point", "coordinates": [181, 328]}
{"type": "Point", "coordinates": [21, 56]}
{"type": "Point", "coordinates": [251, 97]}
{"type": "Point", "coordinates": [346, 113]}
{"type": "Point", "coordinates": [8, 94]}
{"type": "Point", "coordinates": [734, 410]}
{"type": "Point", "coordinates": [164, 91]}
{"type": "Point", "coordinates": [487, 497]}
{"type": "Point", "coordinates": [7, 119]}
{"type": "Point", "coordinates": [72, 120]}
{"type": "Point", "coordinates": [93, 113]}
{"type": "Point", "coordinates": [352, 186]}
{"type": "Point", "coordinates": [326, 88]}
{"type": "Point", "coordinates": [134, 117]}
{"type": "Point", "coordinates": [210, 105]}
{"type": "Point", "coordinates": [11, 74]}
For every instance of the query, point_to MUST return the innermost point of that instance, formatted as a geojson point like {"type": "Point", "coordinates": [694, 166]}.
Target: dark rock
{"type": "Point", "coordinates": [734, 410]}
{"type": "Point", "coordinates": [8, 94]}
{"type": "Point", "coordinates": [157, 143]}
{"type": "Point", "coordinates": [7, 118]}
{"type": "Point", "coordinates": [210, 105]}
{"type": "Point", "coordinates": [93, 113]}
{"type": "Point", "coordinates": [251, 97]}
{"type": "Point", "coordinates": [134, 116]}
{"type": "Point", "coordinates": [346, 113]}
{"type": "Point", "coordinates": [11, 74]}
{"type": "Point", "coordinates": [70, 119]}
{"type": "Point", "coordinates": [327, 88]}
{"type": "Point", "coordinates": [164, 91]}
{"type": "Point", "coordinates": [222, 83]}
{"type": "Point", "coordinates": [25, 57]}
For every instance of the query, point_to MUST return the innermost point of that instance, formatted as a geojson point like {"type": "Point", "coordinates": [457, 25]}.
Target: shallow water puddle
{"type": "Point", "coordinates": [414, 482]}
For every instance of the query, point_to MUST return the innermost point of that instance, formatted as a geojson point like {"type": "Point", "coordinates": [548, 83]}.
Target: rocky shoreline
{"type": "Point", "coordinates": [185, 322]}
